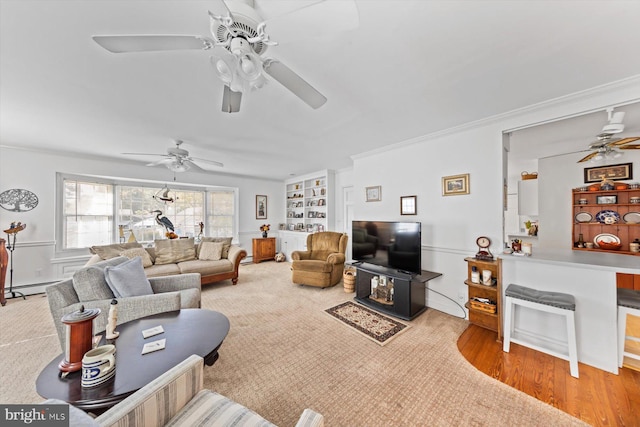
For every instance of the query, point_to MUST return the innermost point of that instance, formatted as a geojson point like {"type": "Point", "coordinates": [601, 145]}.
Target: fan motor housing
{"type": "Point", "coordinates": [245, 22]}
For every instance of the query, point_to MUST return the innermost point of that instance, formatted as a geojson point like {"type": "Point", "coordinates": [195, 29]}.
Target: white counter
{"type": "Point", "coordinates": [590, 259]}
{"type": "Point", "coordinates": [591, 278]}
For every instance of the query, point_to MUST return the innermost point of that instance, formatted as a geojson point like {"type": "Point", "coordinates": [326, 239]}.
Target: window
{"type": "Point", "coordinates": [100, 211]}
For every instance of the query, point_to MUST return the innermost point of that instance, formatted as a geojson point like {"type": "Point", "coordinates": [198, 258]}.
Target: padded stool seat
{"type": "Point", "coordinates": [551, 302]}
{"type": "Point", "coordinates": [628, 304]}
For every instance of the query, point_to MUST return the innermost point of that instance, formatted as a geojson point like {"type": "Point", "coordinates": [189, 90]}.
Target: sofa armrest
{"type": "Point", "coordinates": [236, 254]}
{"type": "Point", "coordinates": [149, 406]}
{"type": "Point", "coordinates": [310, 418]}
{"type": "Point", "coordinates": [300, 255]}
{"type": "Point", "coordinates": [175, 282]}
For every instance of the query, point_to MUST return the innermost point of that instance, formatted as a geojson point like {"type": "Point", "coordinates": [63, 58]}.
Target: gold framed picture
{"type": "Point", "coordinates": [374, 194]}
{"type": "Point", "coordinates": [408, 205]}
{"type": "Point", "coordinates": [455, 185]}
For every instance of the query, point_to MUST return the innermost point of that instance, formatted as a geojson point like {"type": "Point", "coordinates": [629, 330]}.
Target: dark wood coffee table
{"type": "Point", "coordinates": [188, 331]}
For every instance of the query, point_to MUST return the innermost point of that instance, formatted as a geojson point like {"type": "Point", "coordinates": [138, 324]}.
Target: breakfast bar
{"type": "Point", "coordinates": [591, 278]}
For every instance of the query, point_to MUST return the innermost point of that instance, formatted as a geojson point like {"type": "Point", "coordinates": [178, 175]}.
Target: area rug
{"type": "Point", "coordinates": [369, 323]}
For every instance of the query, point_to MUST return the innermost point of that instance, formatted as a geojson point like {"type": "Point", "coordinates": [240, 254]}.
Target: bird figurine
{"type": "Point", "coordinates": [163, 221]}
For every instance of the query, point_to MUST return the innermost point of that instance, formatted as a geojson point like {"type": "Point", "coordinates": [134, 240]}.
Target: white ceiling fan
{"type": "Point", "coordinates": [606, 147]}
{"type": "Point", "coordinates": [237, 43]}
{"type": "Point", "coordinates": [177, 159]}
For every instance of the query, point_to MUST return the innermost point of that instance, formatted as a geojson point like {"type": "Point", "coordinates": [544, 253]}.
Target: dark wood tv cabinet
{"type": "Point", "coordinates": [409, 290]}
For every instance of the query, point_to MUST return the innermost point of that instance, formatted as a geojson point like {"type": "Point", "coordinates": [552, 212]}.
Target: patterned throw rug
{"type": "Point", "coordinates": [372, 324]}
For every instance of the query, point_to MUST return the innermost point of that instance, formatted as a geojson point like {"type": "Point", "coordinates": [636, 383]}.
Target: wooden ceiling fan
{"type": "Point", "coordinates": [606, 147]}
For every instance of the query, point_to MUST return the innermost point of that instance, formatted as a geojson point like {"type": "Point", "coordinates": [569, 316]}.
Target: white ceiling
{"type": "Point", "coordinates": [405, 69]}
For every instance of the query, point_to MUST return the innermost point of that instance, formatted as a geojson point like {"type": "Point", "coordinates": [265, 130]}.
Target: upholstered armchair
{"type": "Point", "coordinates": [322, 264]}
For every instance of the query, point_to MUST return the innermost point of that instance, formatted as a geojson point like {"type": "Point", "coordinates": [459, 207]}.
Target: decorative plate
{"type": "Point", "coordinates": [607, 238]}
{"type": "Point", "coordinates": [583, 217]}
{"type": "Point", "coordinates": [602, 215]}
{"type": "Point", "coordinates": [632, 218]}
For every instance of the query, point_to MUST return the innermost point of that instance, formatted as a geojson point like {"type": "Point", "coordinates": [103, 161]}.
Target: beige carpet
{"type": "Point", "coordinates": [284, 353]}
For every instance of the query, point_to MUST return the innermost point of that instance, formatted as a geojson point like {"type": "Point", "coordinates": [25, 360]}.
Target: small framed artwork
{"type": "Point", "coordinates": [408, 205]}
{"type": "Point", "coordinates": [607, 200]}
{"type": "Point", "coordinates": [299, 226]}
{"type": "Point", "coordinates": [261, 207]}
{"type": "Point", "coordinates": [455, 185]}
{"type": "Point", "coordinates": [612, 172]}
{"type": "Point", "coordinates": [373, 194]}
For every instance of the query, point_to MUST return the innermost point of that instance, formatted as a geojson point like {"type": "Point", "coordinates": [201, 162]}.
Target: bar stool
{"type": "Point", "coordinates": [551, 302]}
{"type": "Point", "coordinates": [628, 303]}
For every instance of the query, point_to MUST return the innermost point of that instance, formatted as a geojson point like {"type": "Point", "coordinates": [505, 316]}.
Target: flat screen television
{"type": "Point", "coordinates": [387, 243]}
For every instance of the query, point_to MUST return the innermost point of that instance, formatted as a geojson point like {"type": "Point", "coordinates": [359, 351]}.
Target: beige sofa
{"type": "Point", "coordinates": [179, 256]}
{"type": "Point", "coordinates": [190, 405]}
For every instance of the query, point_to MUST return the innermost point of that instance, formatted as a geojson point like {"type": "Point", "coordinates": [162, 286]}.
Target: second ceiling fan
{"type": "Point", "coordinates": [237, 42]}
{"type": "Point", "coordinates": [606, 146]}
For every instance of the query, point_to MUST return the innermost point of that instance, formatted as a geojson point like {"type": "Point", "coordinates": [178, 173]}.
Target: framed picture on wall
{"type": "Point", "coordinates": [612, 172]}
{"type": "Point", "coordinates": [373, 194]}
{"type": "Point", "coordinates": [261, 207]}
{"type": "Point", "coordinates": [455, 185]}
{"type": "Point", "coordinates": [408, 205]}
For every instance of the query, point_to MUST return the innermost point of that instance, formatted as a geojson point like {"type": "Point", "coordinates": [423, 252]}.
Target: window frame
{"type": "Point", "coordinates": [61, 251]}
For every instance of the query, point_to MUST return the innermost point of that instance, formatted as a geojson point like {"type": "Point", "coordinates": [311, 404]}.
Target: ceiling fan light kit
{"type": "Point", "coordinates": [239, 41]}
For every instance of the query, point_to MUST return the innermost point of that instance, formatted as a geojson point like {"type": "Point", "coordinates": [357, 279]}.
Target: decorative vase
{"type": "Point", "coordinates": [264, 234]}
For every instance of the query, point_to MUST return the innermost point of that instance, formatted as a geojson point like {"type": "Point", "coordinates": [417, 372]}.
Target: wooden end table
{"type": "Point", "coordinates": [188, 331]}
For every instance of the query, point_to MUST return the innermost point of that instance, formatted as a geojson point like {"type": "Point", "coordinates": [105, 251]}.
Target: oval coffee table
{"type": "Point", "coordinates": [188, 331]}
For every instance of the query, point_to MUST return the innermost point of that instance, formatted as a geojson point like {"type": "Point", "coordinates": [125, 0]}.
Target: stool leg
{"type": "Point", "coordinates": [508, 324]}
{"type": "Point", "coordinates": [571, 342]}
{"type": "Point", "coordinates": [622, 330]}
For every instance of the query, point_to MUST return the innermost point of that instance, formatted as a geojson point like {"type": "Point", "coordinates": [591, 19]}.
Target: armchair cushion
{"type": "Point", "coordinates": [128, 279]}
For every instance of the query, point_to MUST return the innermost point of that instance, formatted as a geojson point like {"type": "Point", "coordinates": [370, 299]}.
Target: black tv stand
{"type": "Point", "coordinates": [409, 296]}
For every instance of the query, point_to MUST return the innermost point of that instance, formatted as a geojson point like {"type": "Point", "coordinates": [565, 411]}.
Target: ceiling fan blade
{"type": "Point", "coordinates": [623, 141]}
{"type": "Point", "coordinates": [151, 43]}
{"type": "Point", "coordinates": [630, 147]}
{"type": "Point", "coordinates": [144, 154]}
{"type": "Point", "coordinates": [220, 8]}
{"type": "Point", "coordinates": [587, 157]}
{"type": "Point", "coordinates": [161, 162]}
{"type": "Point", "coordinates": [296, 84]}
{"type": "Point", "coordinates": [231, 100]}
{"type": "Point", "coordinates": [210, 162]}
{"type": "Point", "coordinates": [192, 165]}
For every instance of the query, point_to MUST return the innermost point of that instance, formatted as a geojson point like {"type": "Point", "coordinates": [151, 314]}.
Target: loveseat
{"type": "Point", "coordinates": [177, 398]}
{"type": "Point", "coordinates": [88, 287]}
{"type": "Point", "coordinates": [215, 258]}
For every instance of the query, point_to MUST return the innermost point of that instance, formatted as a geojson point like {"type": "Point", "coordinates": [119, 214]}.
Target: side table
{"type": "Point", "coordinates": [264, 248]}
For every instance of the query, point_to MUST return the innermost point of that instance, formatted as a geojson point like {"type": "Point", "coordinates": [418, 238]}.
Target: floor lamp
{"type": "Point", "coordinates": [12, 233]}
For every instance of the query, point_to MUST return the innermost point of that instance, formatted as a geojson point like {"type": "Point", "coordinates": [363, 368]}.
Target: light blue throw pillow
{"type": "Point", "coordinates": [128, 279]}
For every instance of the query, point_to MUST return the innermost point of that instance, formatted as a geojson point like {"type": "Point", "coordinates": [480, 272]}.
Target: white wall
{"type": "Point", "coordinates": [451, 224]}
{"type": "Point", "coordinates": [36, 171]}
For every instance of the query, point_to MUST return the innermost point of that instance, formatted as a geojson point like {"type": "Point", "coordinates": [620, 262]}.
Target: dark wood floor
{"type": "Point", "coordinates": [597, 397]}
